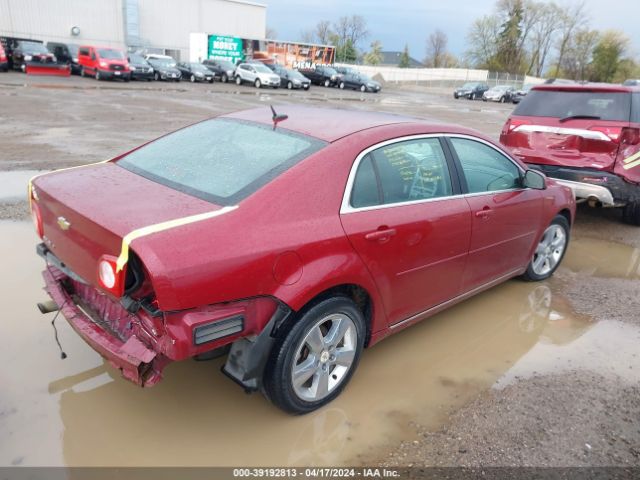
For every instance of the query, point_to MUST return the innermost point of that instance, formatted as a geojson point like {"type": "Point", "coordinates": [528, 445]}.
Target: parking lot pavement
{"type": "Point", "coordinates": [523, 374]}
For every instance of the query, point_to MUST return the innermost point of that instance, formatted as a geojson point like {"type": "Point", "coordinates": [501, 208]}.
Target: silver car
{"type": "Point", "coordinates": [257, 74]}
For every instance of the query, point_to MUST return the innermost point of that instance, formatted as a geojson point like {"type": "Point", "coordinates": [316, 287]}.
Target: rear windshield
{"type": "Point", "coordinates": [615, 106]}
{"type": "Point", "coordinates": [220, 160]}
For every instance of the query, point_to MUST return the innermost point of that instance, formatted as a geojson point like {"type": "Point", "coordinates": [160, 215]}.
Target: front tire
{"type": "Point", "coordinates": [631, 213]}
{"type": "Point", "coordinates": [363, 88]}
{"type": "Point", "coordinates": [257, 83]}
{"type": "Point", "coordinates": [327, 83]}
{"type": "Point", "coordinates": [550, 250]}
{"type": "Point", "coordinates": [192, 78]}
{"type": "Point", "coordinates": [238, 81]}
{"type": "Point", "coordinates": [156, 76]}
{"type": "Point", "coordinates": [289, 85]}
{"type": "Point", "coordinates": [314, 357]}
{"type": "Point", "coordinates": [224, 78]}
{"type": "Point", "coordinates": [341, 85]}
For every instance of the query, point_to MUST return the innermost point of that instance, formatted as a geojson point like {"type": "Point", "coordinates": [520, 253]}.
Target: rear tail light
{"type": "Point", "coordinates": [109, 277]}
{"type": "Point", "coordinates": [36, 215]}
{"type": "Point", "coordinates": [630, 136]}
{"type": "Point", "coordinates": [514, 123]}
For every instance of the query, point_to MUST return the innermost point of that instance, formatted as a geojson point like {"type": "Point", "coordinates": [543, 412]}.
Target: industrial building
{"type": "Point", "coordinates": [158, 26]}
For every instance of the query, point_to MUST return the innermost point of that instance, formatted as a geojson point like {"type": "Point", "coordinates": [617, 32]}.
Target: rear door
{"type": "Point", "coordinates": [571, 128]}
{"type": "Point", "coordinates": [505, 216]}
{"type": "Point", "coordinates": [404, 215]}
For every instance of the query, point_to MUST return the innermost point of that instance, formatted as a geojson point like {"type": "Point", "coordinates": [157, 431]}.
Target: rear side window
{"type": "Point", "coordinates": [220, 160]}
{"type": "Point", "coordinates": [402, 172]}
{"type": "Point", "coordinates": [613, 106]}
{"type": "Point", "coordinates": [635, 108]}
{"type": "Point", "coordinates": [485, 169]}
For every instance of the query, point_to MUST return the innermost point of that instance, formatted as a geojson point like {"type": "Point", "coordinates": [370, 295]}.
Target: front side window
{"type": "Point", "coordinates": [485, 169]}
{"type": "Point", "coordinates": [220, 160]}
{"type": "Point", "coordinates": [402, 172]}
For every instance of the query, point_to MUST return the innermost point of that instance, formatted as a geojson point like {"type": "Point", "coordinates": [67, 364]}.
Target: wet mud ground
{"type": "Point", "coordinates": [540, 374]}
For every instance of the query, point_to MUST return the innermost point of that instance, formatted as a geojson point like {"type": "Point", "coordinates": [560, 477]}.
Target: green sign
{"type": "Point", "coordinates": [225, 48]}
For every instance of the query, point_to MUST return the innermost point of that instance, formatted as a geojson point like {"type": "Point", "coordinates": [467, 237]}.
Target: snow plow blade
{"type": "Point", "coordinates": [53, 69]}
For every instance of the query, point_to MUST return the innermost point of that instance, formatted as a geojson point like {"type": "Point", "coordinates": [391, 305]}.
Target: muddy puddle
{"type": "Point", "coordinates": [599, 258]}
{"type": "Point", "coordinates": [80, 412]}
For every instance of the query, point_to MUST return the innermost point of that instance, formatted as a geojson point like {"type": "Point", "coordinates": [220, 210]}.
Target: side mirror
{"type": "Point", "coordinates": [535, 180]}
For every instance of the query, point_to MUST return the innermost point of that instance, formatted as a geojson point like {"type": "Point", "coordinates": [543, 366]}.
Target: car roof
{"type": "Point", "coordinates": [330, 124]}
{"type": "Point", "coordinates": [588, 87]}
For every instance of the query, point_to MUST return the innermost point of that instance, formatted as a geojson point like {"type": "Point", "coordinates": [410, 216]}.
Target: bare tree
{"type": "Point", "coordinates": [483, 40]}
{"type": "Point", "coordinates": [573, 18]}
{"type": "Point", "coordinates": [543, 36]}
{"type": "Point", "coordinates": [323, 32]}
{"type": "Point", "coordinates": [350, 29]}
{"type": "Point", "coordinates": [436, 49]}
{"type": "Point", "coordinates": [270, 33]}
{"type": "Point", "coordinates": [578, 53]}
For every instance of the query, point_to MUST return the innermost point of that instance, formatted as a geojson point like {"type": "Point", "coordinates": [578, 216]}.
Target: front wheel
{"type": "Point", "coordinates": [289, 85]}
{"type": "Point", "coordinates": [472, 96]}
{"type": "Point", "coordinates": [631, 213]}
{"type": "Point", "coordinates": [363, 88]}
{"type": "Point", "coordinates": [257, 83]}
{"type": "Point", "coordinates": [313, 359]}
{"type": "Point", "coordinates": [156, 76]}
{"type": "Point", "coordinates": [550, 250]}
{"type": "Point", "coordinates": [341, 85]}
{"type": "Point", "coordinates": [238, 81]}
{"type": "Point", "coordinates": [192, 78]}
{"type": "Point", "coordinates": [224, 78]}
{"type": "Point", "coordinates": [327, 83]}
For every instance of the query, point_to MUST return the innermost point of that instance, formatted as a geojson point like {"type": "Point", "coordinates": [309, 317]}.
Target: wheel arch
{"type": "Point", "coordinates": [566, 213]}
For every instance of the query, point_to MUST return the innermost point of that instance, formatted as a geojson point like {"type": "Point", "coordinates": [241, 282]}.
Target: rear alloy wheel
{"type": "Point", "coordinates": [363, 88]}
{"type": "Point", "coordinates": [192, 78]}
{"type": "Point", "coordinates": [631, 213]}
{"type": "Point", "coordinates": [289, 85]}
{"type": "Point", "coordinates": [156, 76]}
{"type": "Point", "coordinates": [238, 81]}
{"type": "Point", "coordinates": [550, 250]}
{"type": "Point", "coordinates": [257, 83]}
{"type": "Point", "coordinates": [327, 83]}
{"type": "Point", "coordinates": [224, 78]}
{"type": "Point", "coordinates": [341, 85]}
{"type": "Point", "coordinates": [314, 358]}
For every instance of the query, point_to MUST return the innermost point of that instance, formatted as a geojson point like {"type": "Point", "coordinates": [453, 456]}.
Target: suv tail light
{"type": "Point", "coordinates": [36, 215]}
{"type": "Point", "coordinates": [109, 277]}
{"type": "Point", "coordinates": [514, 123]}
{"type": "Point", "coordinates": [630, 136]}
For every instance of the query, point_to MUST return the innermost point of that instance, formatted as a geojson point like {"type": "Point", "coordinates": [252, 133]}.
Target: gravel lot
{"type": "Point", "coordinates": [560, 389]}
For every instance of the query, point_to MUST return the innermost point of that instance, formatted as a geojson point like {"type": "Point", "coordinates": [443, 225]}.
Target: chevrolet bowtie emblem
{"type": "Point", "coordinates": [63, 223]}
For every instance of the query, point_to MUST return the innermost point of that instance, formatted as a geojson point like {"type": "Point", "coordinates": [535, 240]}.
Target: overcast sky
{"type": "Point", "coordinates": [395, 23]}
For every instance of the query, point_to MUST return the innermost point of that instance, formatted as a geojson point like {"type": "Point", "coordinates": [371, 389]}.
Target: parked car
{"type": "Point", "coordinates": [103, 63]}
{"type": "Point", "coordinates": [257, 74]}
{"type": "Point", "coordinates": [520, 94]}
{"type": "Point", "coordinates": [66, 53]}
{"type": "Point", "coordinates": [359, 81]}
{"type": "Point", "coordinates": [218, 252]}
{"type": "Point", "coordinates": [499, 93]}
{"type": "Point", "coordinates": [471, 90]}
{"type": "Point", "coordinates": [30, 51]}
{"type": "Point", "coordinates": [322, 75]}
{"type": "Point", "coordinates": [4, 61]}
{"type": "Point", "coordinates": [195, 72]}
{"type": "Point", "coordinates": [222, 69]}
{"type": "Point", "coordinates": [164, 68]}
{"type": "Point", "coordinates": [632, 83]}
{"type": "Point", "coordinates": [585, 136]}
{"type": "Point", "coordinates": [291, 79]}
{"type": "Point", "coordinates": [140, 68]}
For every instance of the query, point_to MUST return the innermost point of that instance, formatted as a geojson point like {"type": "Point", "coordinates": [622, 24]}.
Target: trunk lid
{"type": "Point", "coordinates": [87, 211]}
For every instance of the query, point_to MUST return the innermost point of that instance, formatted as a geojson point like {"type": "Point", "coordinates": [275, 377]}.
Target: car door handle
{"type": "Point", "coordinates": [484, 213]}
{"type": "Point", "coordinates": [381, 235]}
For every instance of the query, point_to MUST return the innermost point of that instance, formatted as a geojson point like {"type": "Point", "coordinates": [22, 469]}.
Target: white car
{"type": "Point", "coordinates": [257, 74]}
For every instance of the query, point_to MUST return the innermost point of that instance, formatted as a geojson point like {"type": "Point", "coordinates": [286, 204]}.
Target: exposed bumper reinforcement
{"type": "Point", "coordinates": [136, 361]}
{"type": "Point", "coordinates": [588, 191]}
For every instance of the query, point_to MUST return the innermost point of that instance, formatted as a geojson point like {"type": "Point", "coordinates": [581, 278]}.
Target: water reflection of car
{"type": "Point", "coordinates": [291, 79]}
{"type": "Point", "coordinates": [66, 53]}
{"type": "Point", "coordinates": [222, 69]}
{"type": "Point", "coordinates": [499, 93]}
{"type": "Point", "coordinates": [164, 68]}
{"type": "Point", "coordinates": [471, 90]}
{"type": "Point", "coordinates": [199, 241]}
{"type": "Point", "coordinates": [140, 68]}
{"type": "Point", "coordinates": [195, 72]}
{"type": "Point", "coordinates": [520, 94]}
{"type": "Point", "coordinates": [359, 81]}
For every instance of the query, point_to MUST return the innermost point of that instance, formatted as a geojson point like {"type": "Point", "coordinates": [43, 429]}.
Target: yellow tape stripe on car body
{"type": "Point", "coordinates": [159, 227]}
{"type": "Point", "coordinates": [632, 161]}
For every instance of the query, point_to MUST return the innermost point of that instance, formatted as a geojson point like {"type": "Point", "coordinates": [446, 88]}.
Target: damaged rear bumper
{"type": "Point", "coordinates": [137, 362]}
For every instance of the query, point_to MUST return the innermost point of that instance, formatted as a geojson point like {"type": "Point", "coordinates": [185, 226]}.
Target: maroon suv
{"type": "Point", "coordinates": [585, 136]}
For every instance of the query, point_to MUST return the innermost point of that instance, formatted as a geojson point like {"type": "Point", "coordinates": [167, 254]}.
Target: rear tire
{"type": "Point", "coordinates": [327, 83]}
{"type": "Point", "coordinates": [631, 213]}
{"type": "Point", "coordinates": [192, 79]}
{"type": "Point", "coordinates": [550, 250]}
{"type": "Point", "coordinates": [238, 81]}
{"type": "Point", "coordinates": [224, 78]}
{"type": "Point", "coordinates": [321, 347]}
{"type": "Point", "coordinates": [289, 85]}
{"type": "Point", "coordinates": [363, 88]}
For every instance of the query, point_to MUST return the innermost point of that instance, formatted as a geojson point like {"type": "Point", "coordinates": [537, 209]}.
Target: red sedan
{"type": "Point", "coordinates": [289, 244]}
